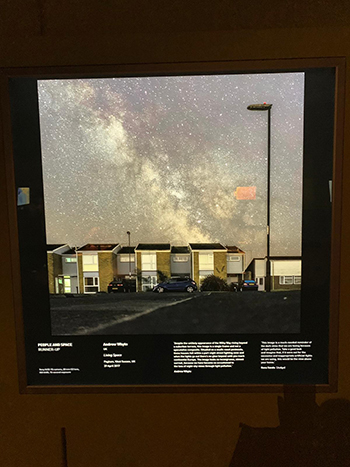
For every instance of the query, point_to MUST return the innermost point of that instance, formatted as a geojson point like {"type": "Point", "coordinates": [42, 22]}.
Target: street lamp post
{"type": "Point", "coordinates": [128, 234]}
{"type": "Point", "coordinates": [264, 107]}
{"type": "Point", "coordinates": [77, 265]}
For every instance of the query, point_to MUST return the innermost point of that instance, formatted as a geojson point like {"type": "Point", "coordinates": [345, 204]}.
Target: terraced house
{"type": "Point", "coordinates": [207, 259]}
{"type": "Point", "coordinates": [69, 272]}
{"type": "Point", "coordinates": [62, 269]}
{"type": "Point", "coordinates": [181, 265]}
{"type": "Point", "coordinates": [126, 265]}
{"type": "Point", "coordinates": [285, 272]}
{"type": "Point", "coordinates": [97, 265]}
{"type": "Point", "coordinates": [152, 264]}
{"type": "Point", "coordinates": [235, 264]}
{"type": "Point", "coordinates": [54, 265]}
{"type": "Point", "coordinates": [90, 268]}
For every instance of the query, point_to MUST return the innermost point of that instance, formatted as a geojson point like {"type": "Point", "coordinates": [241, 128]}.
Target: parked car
{"type": "Point", "coordinates": [249, 285]}
{"type": "Point", "coordinates": [116, 285]}
{"type": "Point", "coordinates": [176, 284]}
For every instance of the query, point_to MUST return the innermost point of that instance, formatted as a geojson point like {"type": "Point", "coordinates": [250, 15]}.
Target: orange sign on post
{"type": "Point", "coordinates": [245, 192]}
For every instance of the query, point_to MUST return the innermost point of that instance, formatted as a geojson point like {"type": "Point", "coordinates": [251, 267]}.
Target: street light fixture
{"type": "Point", "coordinates": [264, 107]}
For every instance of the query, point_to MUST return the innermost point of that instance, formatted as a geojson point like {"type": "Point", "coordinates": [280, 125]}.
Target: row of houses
{"type": "Point", "coordinates": [285, 272]}
{"type": "Point", "coordinates": [90, 268]}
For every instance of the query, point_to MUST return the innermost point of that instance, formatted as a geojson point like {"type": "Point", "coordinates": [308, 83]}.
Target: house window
{"type": "Point", "coordinates": [70, 260]}
{"type": "Point", "coordinates": [149, 261]}
{"type": "Point", "coordinates": [286, 280]}
{"type": "Point", "coordinates": [206, 261]}
{"type": "Point", "coordinates": [127, 258]}
{"type": "Point", "coordinates": [90, 263]}
{"type": "Point", "coordinates": [90, 259]}
{"type": "Point", "coordinates": [91, 284]}
{"type": "Point", "coordinates": [297, 280]}
{"type": "Point", "coordinates": [234, 258]}
{"type": "Point", "coordinates": [180, 259]}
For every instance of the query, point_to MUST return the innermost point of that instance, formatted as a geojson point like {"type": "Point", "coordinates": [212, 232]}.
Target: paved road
{"type": "Point", "coordinates": [177, 313]}
{"type": "Point", "coordinates": [85, 314]}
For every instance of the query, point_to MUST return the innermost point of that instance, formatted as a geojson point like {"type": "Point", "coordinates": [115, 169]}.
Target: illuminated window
{"type": "Point", "coordinates": [70, 260]}
{"type": "Point", "coordinates": [149, 261]}
{"type": "Point", "coordinates": [90, 259]}
{"type": "Point", "coordinates": [90, 263]}
{"type": "Point", "coordinates": [67, 284]}
{"type": "Point", "coordinates": [234, 258]}
{"type": "Point", "coordinates": [180, 259]}
{"type": "Point", "coordinates": [127, 258]}
{"type": "Point", "coordinates": [206, 261]}
{"type": "Point", "coordinates": [286, 280]}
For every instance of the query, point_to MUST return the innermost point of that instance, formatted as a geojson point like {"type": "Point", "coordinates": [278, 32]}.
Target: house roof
{"type": "Point", "coordinates": [207, 246]}
{"type": "Point", "coordinates": [180, 249]}
{"type": "Point", "coordinates": [273, 258]}
{"type": "Point", "coordinates": [71, 251]}
{"type": "Point", "coordinates": [54, 246]}
{"type": "Point", "coordinates": [234, 249]}
{"type": "Point", "coordinates": [127, 249]}
{"type": "Point", "coordinates": [98, 247]}
{"type": "Point", "coordinates": [281, 258]}
{"type": "Point", "coordinates": [153, 246]}
{"type": "Point", "coordinates": [276, 258]}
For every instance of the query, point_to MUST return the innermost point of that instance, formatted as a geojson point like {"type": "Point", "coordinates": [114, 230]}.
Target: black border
{"type": "Point", "coordinates": [25, 135]}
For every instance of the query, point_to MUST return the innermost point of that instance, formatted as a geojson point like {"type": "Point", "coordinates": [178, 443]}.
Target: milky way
{"type": "Point", "coordinates": [163, 156]}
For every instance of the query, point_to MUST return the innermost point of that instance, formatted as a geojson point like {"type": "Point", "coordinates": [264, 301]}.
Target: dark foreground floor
{"type": "Point", "coordinates": [177, 313]}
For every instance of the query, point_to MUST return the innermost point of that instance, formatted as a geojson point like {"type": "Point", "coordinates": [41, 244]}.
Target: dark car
{"type": "Point", "coordinates": [176, 284]}
{"type": "Point", "coordinates": [249, 285]}
{"type": "Point", "coordinates": [116, 285]}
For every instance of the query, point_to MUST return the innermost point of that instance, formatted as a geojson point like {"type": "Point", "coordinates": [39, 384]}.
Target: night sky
{"type": "Point", "coordinates": [163, 156]}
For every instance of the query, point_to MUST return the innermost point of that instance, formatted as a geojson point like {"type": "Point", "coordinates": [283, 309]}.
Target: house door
{"type": "Point", "coordinates": [67, 284]}
{"type": "Point", "coordinates": [60, 285]}
{"type": "Point", "coordinates": [261, 283]}
{"type": "Point", "coordinates": [148, 282]}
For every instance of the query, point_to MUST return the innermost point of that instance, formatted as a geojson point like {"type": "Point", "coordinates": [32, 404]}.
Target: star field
{"type": "Point", "coordinates": [162, 158]}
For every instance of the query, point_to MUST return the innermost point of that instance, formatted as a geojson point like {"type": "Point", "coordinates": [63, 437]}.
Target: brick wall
{"type": "Point", "coordinates": [106, 268]}
{"type": "Point", "coordinates": [195, 259]}
{"type": "Point", "coordinates": [220, 264]}
{"type": "Point", "coordinates": [163, 263]}
{"type": "Point", "coordinates": [54, 268]}
{"type": "Point", "coordinates": [80, 273]}
{"type": "Point", "coordinates": [50, 273]}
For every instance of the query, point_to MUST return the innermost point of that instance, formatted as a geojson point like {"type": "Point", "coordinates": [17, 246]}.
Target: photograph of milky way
{"type": "Point", "coordinates": [173, 204]}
